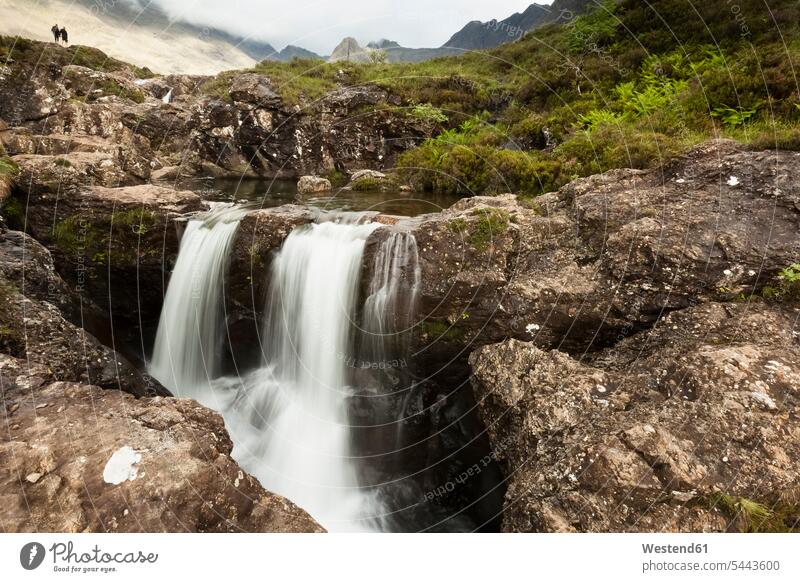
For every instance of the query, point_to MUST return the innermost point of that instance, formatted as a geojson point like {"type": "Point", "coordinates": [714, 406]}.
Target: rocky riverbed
{"type": "Point", "coordinates": [625, 349]}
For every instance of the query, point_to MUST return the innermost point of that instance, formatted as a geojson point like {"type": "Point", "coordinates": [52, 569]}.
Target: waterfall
{"type": "Point", "coordinates": [186, 354]}
{"type": "Point", "coordinates": [390, 307]}
{"type": "Point", "coordinates": [167, 98]}
{"type": "Point", "coordinates": [289, 419]}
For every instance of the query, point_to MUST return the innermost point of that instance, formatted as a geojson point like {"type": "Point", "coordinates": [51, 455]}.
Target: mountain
{"type": "Point", "coordinates": [140, 34]}
{"type": "Point", "coordinates": [349, 50]}
{"type": "Point", "coordinates": [296, 52]}
{"type": "Point", "coordinates": [477, 35]}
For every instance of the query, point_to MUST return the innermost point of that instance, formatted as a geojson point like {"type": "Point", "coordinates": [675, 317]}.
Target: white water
{"type": "Point", "coordinates": [167, 98]}
{"type": "Point", "coordinates": [288, 419]}
{"type": "Point", "coordinates": [186, 354]}
{"type": "Point", "coordinates": [390, 307]}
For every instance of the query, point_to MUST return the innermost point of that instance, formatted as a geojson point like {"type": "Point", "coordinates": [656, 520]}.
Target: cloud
{"type": "Point", "coordinates": [319, 25]}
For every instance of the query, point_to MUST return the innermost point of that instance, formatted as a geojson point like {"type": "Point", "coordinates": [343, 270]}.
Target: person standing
{"type": "Point", "coordinates": [56, 33]}
{"type": "Point", "coordinates": [64, 36]}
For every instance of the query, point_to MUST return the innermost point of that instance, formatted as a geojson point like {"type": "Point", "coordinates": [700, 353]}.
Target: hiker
{"type": "Point", "coordinates": [64, 35]}
{"type": "Point", "coordinates": [56, 32]}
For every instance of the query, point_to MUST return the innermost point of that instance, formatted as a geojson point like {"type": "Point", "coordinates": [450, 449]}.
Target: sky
{"type": "Point", "coordinates": [319, 25]}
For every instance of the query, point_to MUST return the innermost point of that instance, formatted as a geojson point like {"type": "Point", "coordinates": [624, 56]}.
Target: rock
{"type": "Point", "coordinates": [653, 434]}
{"type": "Point", "coordinates": [260, 235]}
{"type": "Point", "coordinates": [255, 90]}
{"type": "Point", "coordinates": [178, 472]}
{"type": "Point", "coordinates": [367, 174]}
{"type": "Point", "coordinates": [35, 325]}
{"type": "Point", "coordinates": [112, 245]}
{"type": "Point", "coordinates": [313, 185]}
{"type": "Point", "coordinates": [607, 255]}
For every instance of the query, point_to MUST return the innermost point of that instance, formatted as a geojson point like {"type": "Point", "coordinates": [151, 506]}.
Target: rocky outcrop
{"type": "Point", "coordinates": [114, 246]}
{"type": "Point", "coordinates": [36, 322]}
{"type": "Point", "coordinates": [260, 235]}
{"type": "Point", "coordinates": [608, 255]}
{"type": "Point", "coordinates": [76, 458]}
{"type": "Point", "coordinates": [231, 124]}
{"type": "Point", "coordinates": [691, 426]}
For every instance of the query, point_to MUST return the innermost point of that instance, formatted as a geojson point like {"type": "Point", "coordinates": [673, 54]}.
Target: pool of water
{"type": "Point", "coordinates": [272, 193]}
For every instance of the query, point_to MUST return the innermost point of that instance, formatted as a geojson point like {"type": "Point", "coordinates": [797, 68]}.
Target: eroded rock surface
{"type": "Point", "coordinates": [666, 431]}
{"type": "Point", "coordinates": [608, 255]}
{"type": "Point", "coordinates": [171, 469]}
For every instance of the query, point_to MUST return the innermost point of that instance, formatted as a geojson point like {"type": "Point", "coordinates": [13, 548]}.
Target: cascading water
{"type": "Point", "coordinates": [320, 421]}
{"type": "Point", "coordinates": [289, 419]}
{"type": "Point", "coordinates": [186, 355]}
{"type": "Point", "coordinates": [390, 308]}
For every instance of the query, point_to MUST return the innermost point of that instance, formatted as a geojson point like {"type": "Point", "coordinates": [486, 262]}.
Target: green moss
{"type": "Point", "coordinates": [458, 225]}
{"type": "Point", "coordinates": [530, 203]}
{"type": "Point", "coordinates": [441, 331]}
{"type": "Point", "coordinates": [62, 162]}
{"type": "Point", "coordinates": [368, 184]}
{"type": "Point", "coordinates": [492, 222]}
{"type": "Point", "coordinates": [8, 167]}
{"type": "Point", "coordinates": [97, 238]}
{"type": "Point", "coordinates": [12, 210]}
{"type": "Point", "coordinates": [12, 339]}
{"type": "Point", "coordinates": [337, 178]}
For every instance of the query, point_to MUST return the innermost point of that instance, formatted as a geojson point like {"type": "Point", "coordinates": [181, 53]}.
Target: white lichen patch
{"type": "Point", "coordinates": [121, 466]}
{"type": "Point", "coordinates": [733, 181]}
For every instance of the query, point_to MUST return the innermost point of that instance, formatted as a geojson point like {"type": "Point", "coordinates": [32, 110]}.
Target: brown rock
{"type": "Point", "coordinates": [174, 470]}
{"type": "Point", "coordinates": [651, 434]}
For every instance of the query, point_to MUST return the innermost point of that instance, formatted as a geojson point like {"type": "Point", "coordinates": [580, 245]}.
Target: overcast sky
{"type": "Point", "coordinates": [319, 25]}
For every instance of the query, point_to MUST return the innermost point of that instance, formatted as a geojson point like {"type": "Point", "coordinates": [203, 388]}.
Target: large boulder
{"type": "Point", "coordinates": [608, 255]}
{"type": "Point", "coordinates": [692, 426]}
{"type": "Point", "coordinates": [114, 246]}
{"type": "Point", "coordinates": [76, 458]}
{"type": "Point", "coordinates": [259, 237]}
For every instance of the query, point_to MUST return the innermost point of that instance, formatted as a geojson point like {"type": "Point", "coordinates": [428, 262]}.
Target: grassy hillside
{"type": "Point", "coordinates": [628, 85]}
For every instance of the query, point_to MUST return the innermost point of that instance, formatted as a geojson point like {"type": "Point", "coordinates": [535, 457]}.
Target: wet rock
{"type": "Point", "coordinates": [654, 433]}
{"type": "Point", "coordinates": [260, 235]}
{"type": "Point", "coordinates": [81, 459]}
{"type": "Point", "coordinates": [313, 185]}
{"type": "Point", "coordinates": [254, 90]}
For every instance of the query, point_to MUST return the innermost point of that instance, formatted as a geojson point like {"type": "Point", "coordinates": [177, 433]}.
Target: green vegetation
{"type": "Point", "coordinates": [12, 340]}
{"type": "Point", "coordinates": [368, 184]}
{"type": "Point", "coordinates": [7, 167]}
{"type": "Point", "coordinates": [632, 84]}
{"type": "Point", "coordinates": [337, 178]}
{"type": "Point", "coordinates": [27, 53]}
{"type": "Point", "coordinates": [753, 516]}
{"type": "Point", "coordinates": [118, 236]}
{"type": "Point", "coordinates": [480, 233]}
{"type": "Point", "coordinates": [788, 284]}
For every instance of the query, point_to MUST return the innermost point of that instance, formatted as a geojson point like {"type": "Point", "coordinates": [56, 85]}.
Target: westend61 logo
{"type": "Point", "coordinates": [67, 559]}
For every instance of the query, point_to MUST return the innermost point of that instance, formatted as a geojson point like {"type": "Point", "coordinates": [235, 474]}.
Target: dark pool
{"type": "Point", "coordinates": [271, 193]}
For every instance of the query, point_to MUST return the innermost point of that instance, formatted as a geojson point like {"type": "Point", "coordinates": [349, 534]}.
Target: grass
{"type": "Point", "coordinates": [752, 516]}
{"type": "Point", "coordinates": [613, 89]}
